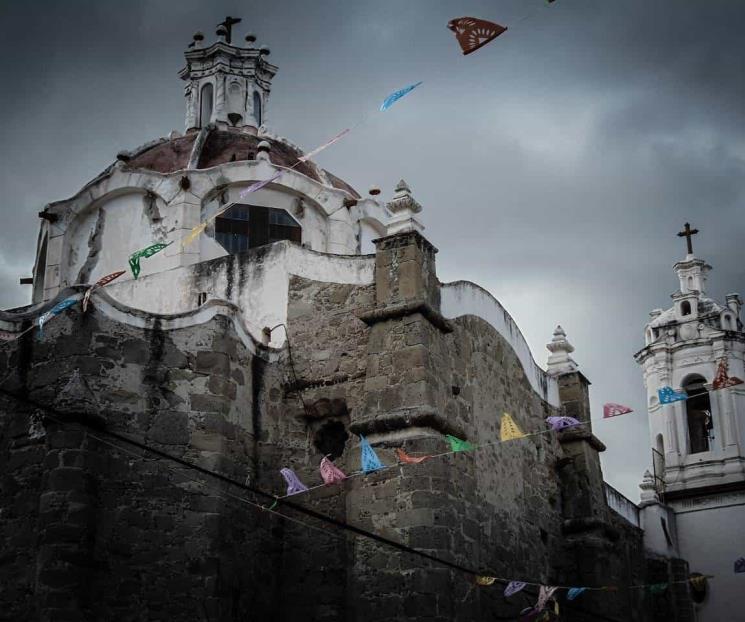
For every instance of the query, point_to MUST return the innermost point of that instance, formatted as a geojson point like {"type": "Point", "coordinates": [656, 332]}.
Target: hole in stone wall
{"type": "Point", "coordinates": [544, 536]}
{"type": "Point", "coordinates": [331, 438]}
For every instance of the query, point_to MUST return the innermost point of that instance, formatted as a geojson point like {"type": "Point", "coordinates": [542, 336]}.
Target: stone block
{"type": "Point", "coordinates": [213, 363]}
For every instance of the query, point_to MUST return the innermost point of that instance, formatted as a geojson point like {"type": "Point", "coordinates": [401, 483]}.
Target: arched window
{"type": "Point", "coordinates": [685, 308]}
{"type": "Point", "coordinates": [242, 227]}
{"type": "Point", "coordinates": [698, 415]}
{"type": "Point", "coordinates": [728, 322]}
{"type": "Point", "coordinates": [690, 283]}
{"type": "Point", "coordinates": [257, 108]}
{"type": "Point", "coordinates": [205, 105]}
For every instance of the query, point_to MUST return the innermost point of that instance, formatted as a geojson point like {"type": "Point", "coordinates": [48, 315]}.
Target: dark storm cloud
{"type": "Point", "coordinates": [555, 165]}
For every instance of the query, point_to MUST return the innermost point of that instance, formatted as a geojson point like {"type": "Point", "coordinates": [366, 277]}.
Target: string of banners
{"type": "Point", "coordinates": [509, 431]}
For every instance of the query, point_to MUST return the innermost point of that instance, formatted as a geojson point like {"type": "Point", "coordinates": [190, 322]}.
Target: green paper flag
{"type": "Point", "coordinates": [134, 258]}
{"type": "Point", "coordinates": [457, 444]}
{"type": "Point", "coordinates": [657, 588]}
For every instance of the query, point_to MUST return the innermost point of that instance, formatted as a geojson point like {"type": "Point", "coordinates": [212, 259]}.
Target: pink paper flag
{"type": "Point", "coordinates": [544, 593]}
{"type": "Point", "coordinates": [318, 150]}
{"type": "Point", "coordinates": [613, 410]}
{"type": "Point", "coordinates": [330, 473]}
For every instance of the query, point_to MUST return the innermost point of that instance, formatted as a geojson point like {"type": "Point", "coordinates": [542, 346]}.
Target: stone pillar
{"type": "Point", "coordinates": [401, 384]}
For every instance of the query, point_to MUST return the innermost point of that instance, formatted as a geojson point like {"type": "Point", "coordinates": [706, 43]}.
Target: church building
{"type": "Point", "coordinates": [693, 502]}
{"type": "Point", "coordinates": [231, 402]}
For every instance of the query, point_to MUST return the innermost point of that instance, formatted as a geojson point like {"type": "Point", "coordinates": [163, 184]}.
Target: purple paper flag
{"type": "Point", "coordinates": [513, 588]}
{"type": "Point", "coordinates": [294, 485]}
{"type": "Point", "coordinates": [562, 423]}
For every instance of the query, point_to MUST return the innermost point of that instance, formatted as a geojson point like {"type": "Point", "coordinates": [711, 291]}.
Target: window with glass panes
{"type": "Point", "coordinates": [242, 227]}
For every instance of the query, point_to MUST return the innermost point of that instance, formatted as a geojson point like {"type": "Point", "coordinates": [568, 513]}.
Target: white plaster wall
{"type": "Point", "coordinates": [711, 539]}
{"type": "Point", "coordinates": [465, 298]}
{"type": "Point", "coordinates": [257, 282]}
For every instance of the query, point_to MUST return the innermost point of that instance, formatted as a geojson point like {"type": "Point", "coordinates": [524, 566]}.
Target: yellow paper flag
{"type": "Point", "coordinates": [484, 580]}
{"type": "Point", "coordinates": [193, 234]}
{"type": "Point", "coordinates": [509, 430]}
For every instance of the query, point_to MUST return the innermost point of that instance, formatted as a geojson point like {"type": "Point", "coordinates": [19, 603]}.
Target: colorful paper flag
{"type": "Point", "coordinates": [405, 458]}
{"type": "Point", "coordinates": [740, 565]}
{"type": "Point", "coordinates": [657, 588]}
{"type": "Point", "coordinates": [668, 395]}
{"type": "Point", "coordinates": [54, 311]}
{"type": "Point", "coordinates": [722, 379]}
{"type": "Point", "coordinates": [330, 473]}
{"type": "Point", "coordinates": [370, 460]}
{"type": "Point", "coordinates": [396, 95]}
{"type": "Point", "coordinates": [698, 582]}
{"type": "Point", "coordinates": [473, 33]}
{"type": "Point", "coordinates": [613, 410]}
{"type": "Point", "coordinates": [562, 423]}
{"type": "Point", "coordinates": [294, 485]}
{"type": "Point", "coordinates": [513, 587]}
{"type": "Point", "coordinates": [509, 430]}
{"type": "Point", "coordinates": [193, 234]}
{"type": "Point", "coordinates": [318, 150]}
{"type": "Point", "coordinates": [545, 592]}
{"type": "Point", "coordinates": [260, 184]}
{"type": "Point", "coordinates": [574, 592]}
{"type": "Point", "coordinates": [102, 282]}
{"type": "Point", "coordinates": [485, 580]}
{"type": "Point", "coordinates": [457, 444]}
{"type": "Point", "coordinates": [134, 258]}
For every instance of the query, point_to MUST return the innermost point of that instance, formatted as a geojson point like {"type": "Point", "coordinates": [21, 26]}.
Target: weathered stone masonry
{"type": "Point", "coordinates": [90, 531]}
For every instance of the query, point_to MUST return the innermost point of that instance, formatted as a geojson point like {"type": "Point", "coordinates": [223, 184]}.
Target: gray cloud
{"type": "Point", "coordinates": [555, 165]}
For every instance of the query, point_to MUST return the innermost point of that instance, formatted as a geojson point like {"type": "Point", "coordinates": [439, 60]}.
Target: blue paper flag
{"type": "Point", "coordinates": [370, 460]}
{"type": "Point", "coordinates": [55, 310]}
{"type": "Point", "coordinates": [668, 395]}
{"type": "Point", "coordinates": [574, 592]}
{"type": "Point", "coordinates": [394, 97]}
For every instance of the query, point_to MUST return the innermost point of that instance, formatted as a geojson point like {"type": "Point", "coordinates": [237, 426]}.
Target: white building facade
{"type": "Point", "coordinates": [693, 503]}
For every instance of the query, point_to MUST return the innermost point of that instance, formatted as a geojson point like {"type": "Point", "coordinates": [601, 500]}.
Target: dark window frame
{"type": "Point", "coordinates": [243, 226]}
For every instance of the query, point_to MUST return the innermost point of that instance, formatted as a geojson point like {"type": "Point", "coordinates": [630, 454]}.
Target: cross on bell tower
{"type": "Point", "coordinates": [687, 233]}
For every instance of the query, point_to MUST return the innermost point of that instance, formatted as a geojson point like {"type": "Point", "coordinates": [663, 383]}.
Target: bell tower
{"type": "Point", "coordinates": [225, 84]}
{"type": "Point", "coordinates": [694, 499]}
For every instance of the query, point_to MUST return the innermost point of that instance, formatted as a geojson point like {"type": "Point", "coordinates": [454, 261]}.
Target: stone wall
{"type": "Point", "coordinates": [96, 529]}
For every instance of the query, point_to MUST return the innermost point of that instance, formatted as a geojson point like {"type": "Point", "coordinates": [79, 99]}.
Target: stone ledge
{"type": "Point", "coordinates": [571, 435]}
{"type": "Point", "coordinates": [382, 314]}
{"type": "Point", "coordinates": [403, 419]}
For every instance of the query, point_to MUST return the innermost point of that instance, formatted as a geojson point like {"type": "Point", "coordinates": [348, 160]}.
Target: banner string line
{"type": "Point", "coordinates": [299, 508]}
{"type": "Point", "coordinates": [430, 456]}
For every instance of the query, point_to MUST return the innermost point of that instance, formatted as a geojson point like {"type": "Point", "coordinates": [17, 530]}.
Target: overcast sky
{"type": "Point", "coordinates": [555, 165]}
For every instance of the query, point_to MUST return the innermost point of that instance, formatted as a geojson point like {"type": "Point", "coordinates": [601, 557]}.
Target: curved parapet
{"type": "Point", "coordinates": [466, 298]}
{"type": "Point", "coordinates": [12, 322]}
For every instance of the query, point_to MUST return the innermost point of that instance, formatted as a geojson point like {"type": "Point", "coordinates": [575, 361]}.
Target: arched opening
{"type": "Point", "coordinates": [685, 308]}
{"type": "Point", "coordinates": [690, 283]}
{"type": "Point", "coordinates": [650, 335]}
{"type": "Point", "coordinates": [698, 415]}
{"type": "Point", "coordinates": [205, 105]}
{"type": "Point", "coordinates": [257, 108]}
{"type": "Point", "coordinates": [331, 438]}
{"type": "Point", "coordinates": [728, 322]}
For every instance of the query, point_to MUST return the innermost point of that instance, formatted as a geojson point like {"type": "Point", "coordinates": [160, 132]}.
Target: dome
{"type": "Point", "coordinates": [169, 155]}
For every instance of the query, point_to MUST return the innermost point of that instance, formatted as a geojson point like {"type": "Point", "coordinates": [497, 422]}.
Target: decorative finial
{"type": "Point", "coordinates": [374, 191]}
{"type": "Point", "coordinates": [404, 207]}
{"type": "Point", "coordinates": [559, 361]}
{"type": "Point", "coordinates": [250, 38]}
{"type": "Point", "coordinates": [648, 488]}
{"type": "Point", "coordinates": [264, 50]}
{"type": "Point", "coordinates": [198, 37]}
{"type": "Point", "coordinates": [687, 233]}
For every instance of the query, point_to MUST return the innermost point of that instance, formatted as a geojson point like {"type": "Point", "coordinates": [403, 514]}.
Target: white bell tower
{"type": "Point", "coordinates": [697, 503]}
{"type": "Point", "coordinates": [226, 85]}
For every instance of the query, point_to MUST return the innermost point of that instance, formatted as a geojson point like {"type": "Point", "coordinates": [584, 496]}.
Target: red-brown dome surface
{"type": "Point", "coordinates": [221, 147]}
